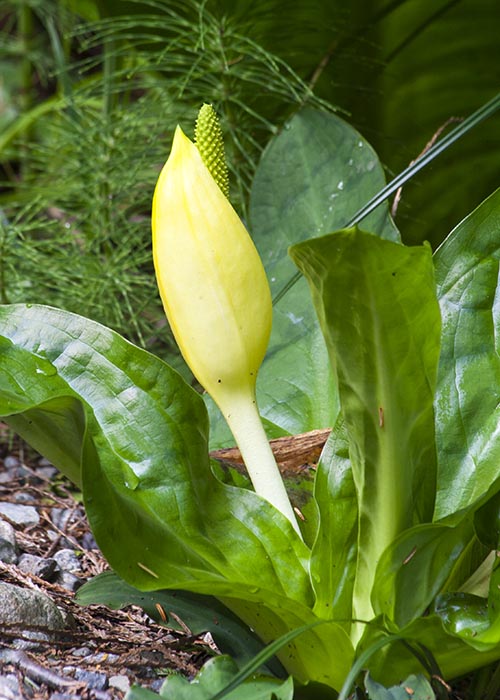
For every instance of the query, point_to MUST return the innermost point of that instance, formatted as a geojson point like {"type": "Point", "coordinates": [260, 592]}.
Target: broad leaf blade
{"type": "Point", "coordinates": [312, 178]}
{"type": "Point", "coordinates": [450, 633]}
{"type": "Point", "coordinates": [467, 396]}
{"type": "Point", "coordinates": [147, 481]}
{"type": "Point", "coordinates": [379, 314]}
{"type": "Point", "coordinates": [158, 513]}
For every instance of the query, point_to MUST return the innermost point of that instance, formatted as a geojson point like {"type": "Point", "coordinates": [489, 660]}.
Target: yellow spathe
{"type": "Point", "coordinates": [217, 300]}
{"type": "Point", "coordinates": [211, 279]}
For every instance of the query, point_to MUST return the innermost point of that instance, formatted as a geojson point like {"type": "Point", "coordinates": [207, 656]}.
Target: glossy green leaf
{"type": "Point", "coordinates": [36, 403]}
{"type": "Point", "coordinates": [146, 456]}
{"type": "Point", "coordinates": [334, 554]}
{"type": "Point", "coordinates": [198, 612]}
{"type": "Point", "coordinates": [215, 675]}
{"type": "Point", "coordinates": [377, 306]}
{"type": "Point", "coordinates": [308, 656]}
{"type": "Point", "coordinates": [467, 397]}
{"type": "Point", "coordinates": [312, 178]}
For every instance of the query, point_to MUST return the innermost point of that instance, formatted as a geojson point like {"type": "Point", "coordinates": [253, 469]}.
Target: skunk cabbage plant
{"type": "Point", "coordinates": [219, 310]}
{"type": "Point", "coordinates": [395, 349]}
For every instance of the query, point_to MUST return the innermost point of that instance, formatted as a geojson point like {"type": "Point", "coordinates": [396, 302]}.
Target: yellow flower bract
{"type": "Point", "coordinates": [211, 279]}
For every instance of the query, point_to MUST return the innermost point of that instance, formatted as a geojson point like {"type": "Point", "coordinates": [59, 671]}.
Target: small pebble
{"type": "Point", "coordinates": [22, 515]}
{"type": "Point", "coordinates": [88, 541]}
{"type": "Point", "coordinates": [62, 541]}
{"type": "Point", "coordinates": [31, 564]}
{"type": "Point", "coordinates": [23, 497]}
{"type": "Point", "coordinates": [81, 651]}
{"type": "Point", "coordinates": [44, 462]}
{"type": "Point", "coordinates": [120, 683]}
{"type": "Point", "coordinates": [68, 580]}
{"type": "Point", "coordinates": [94, 680]}
{"type": "Point", "coordinates": [60, 517]}
{"type": "Point", "coordinates": [67, 560]}
{"type": "Point", "coordinates": [100, 658]}
{"type": "Point", "coordinates": [11, 462]}
{"type": "Point", "coordinates": [157, 684]}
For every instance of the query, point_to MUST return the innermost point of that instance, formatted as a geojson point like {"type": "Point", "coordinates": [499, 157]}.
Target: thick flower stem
{"type": "Point", "coordinates": [244, 420]}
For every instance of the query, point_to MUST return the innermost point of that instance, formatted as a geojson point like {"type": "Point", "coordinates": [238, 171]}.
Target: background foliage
{"type": "Point", "coordinates": [90, 92]}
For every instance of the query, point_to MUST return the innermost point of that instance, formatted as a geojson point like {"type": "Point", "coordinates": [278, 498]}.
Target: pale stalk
{"type": "Point", "coordinates": [244, 421]}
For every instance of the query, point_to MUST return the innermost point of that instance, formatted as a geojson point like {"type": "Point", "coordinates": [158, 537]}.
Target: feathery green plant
{"type": "Point", "coordinates": [75, 224]}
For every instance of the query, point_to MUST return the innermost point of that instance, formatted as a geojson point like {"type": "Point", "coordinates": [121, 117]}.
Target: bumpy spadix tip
{"type": "Point", "coordinates": [210, 144]}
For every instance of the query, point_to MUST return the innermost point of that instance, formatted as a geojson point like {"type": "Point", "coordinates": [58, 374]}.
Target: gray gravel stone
{"type": "Point", "coordinates": [102, 657]}
{"type": "Point", "coordinates": [5, 476]}
{"type": "Point", "coordinates": [81, 651]}
{"type": "Point", "coordinates": [120, 683]}
{"type": "Point", "coordinates": [67, 560]}
{"type": "Point", "coordinates": [47, 473]}
{"type": "Point", "coordinates": [11, 462]}
{"type": "Point", "coordinates": [69, 670]}
{"type": "Point", "coordinates": [68, 580]}
{"type": "Point", "coordinates": [157, 684]}
{"type": "Point", "coordinates": [26, 608]}
{"type": "Point", "coordinates": [94, 680]}
{"type": "Point", "coordinates": [60, 517]}
{"type": "Point", "coordinates": [88, 541]}
{"type": "Point", "coordinates": [8, 546]}
{"type": "Point", "coordinates": [31, 564]}
{"type": "Point", "coordinates": [22, 515]}
{"type": "Point", "coordinates": [23, 497]}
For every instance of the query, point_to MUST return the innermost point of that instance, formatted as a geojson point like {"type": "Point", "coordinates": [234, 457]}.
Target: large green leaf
{"type": "Point", "coordinates": [377, 305]}
{"type": "Point", "coordinates": [385, 64]}
{"type": "Point", "coordinates": [467, 397]}
{"type": "Point", "coordinates": [146, 477]}
{"type": "Point", "coordinates": [312, 178]}
{"type": "Point", "coordinates": [158, 513]}
{"type": "Point", "coordinates": [431, 48]}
